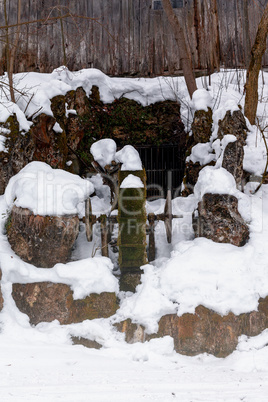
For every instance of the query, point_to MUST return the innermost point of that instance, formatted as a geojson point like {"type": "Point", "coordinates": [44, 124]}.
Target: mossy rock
{"type": "Point", "coordinates": [58, 110]}
{"type": "Point", "coordinates": [20, 150]}
{"type": "Point", "coordinates": [202, 126]}
{"type": "Point", "coordinates": [46, 301]}
{"type": "Point", "coordinates": [233, 123]}
{"type": "Point", "coordinates": [205, 331]}
{"type": "Point", "coordinates": [130, 280]}
{"type": "Point", "coordinates": [128, 122]}
{"type": "Point", "coordinates": [42, 240]}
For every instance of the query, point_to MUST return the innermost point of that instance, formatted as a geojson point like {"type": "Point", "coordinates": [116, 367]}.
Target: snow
{"type": "Point", "coordinates": [103, 151]}
{"type": "Point", "coordinates": [2, 143]}
{"type": "Point", "coordinates": [214, 181]}
{"type": "Point", "coordinates": [40, 363]}
{"type": "Point", "coordinates": [202, 153]}
{"type": "Point", "coordinates": [47, 191]}
{"type": "Point", "coordinates": [132, 181]}
{"type": "Point", "coordinates": [201, 99]}
{"type": "Point", "coordinates": [129, 157]}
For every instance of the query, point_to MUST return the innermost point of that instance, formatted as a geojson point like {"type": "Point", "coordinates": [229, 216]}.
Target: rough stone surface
{"type": "Point", "coordinates": [202, 125]}
{"type": "Point", "coordinates": [87, 121]}
{"type": "Point", "coordinates": [41, 240]}
{"type": "Point", "coordinates": [191, 176]}
{"type": "Point", "coordinates": [235, 124]}
{"type": "Point", "coordinates": [20, 152]}
{"type": "Point", "coordinates": [233, 160]}
{"type": "Point", "coordinates": [51, 146]}
{"type": "Point", "coordinates": [201, 130]}
{"type": "Point", "coordinates": [133, 332]}
{"type": "Point", "coordinates": [46, 301]}
{"type": "Point", "coordinates": [130, 280]}
{"type": "Point", "coordinates": [85, 342]}
{"type": "Point", "coordinates": [205, 331]}
{"type": "Point", "coordinates": [1, 296]}
{"type": "Point", "coordinates": [219, 220]}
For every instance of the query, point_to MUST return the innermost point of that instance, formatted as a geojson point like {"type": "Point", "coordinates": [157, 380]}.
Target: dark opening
{"type": "Point", "coordinates": [157, 4]}
{"type": "Point", "coordinates": [164, 167]}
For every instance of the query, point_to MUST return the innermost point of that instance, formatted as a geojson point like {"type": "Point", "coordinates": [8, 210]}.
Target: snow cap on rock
{"type": "Point", "coordinates": [214, 181]}
{"type": "Point", "coordinates": [103, 151]}
{"type": "Point", "coordinates": [129, 157]}
{"type": "Point", "coordinates": [201, 99]}
{"type": "Point", "coordinates": [132, 181]}
{"type": "Point", "coordinates": [47, 191]}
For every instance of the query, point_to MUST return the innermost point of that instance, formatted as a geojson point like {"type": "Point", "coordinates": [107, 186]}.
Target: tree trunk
{"type": "Point", "coordinates": [12, 49]}
{"type": "Point", "coordinates": [185, 59]}
{"type": "Point", "coordinates": [257, 51]}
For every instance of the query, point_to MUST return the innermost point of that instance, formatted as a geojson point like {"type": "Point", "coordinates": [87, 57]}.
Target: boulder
{"type": "Point", "coordinates": [208, 332]}
{"type": "Point", "coordinates": [47, 301]}
{"type": "Point", "coordinates": [133, 332]}
{"type": "Point", "coordinates": [201, 133]}
{"type": "Point", "coordinates": [202, 126]}
{"type": "Point", "coordinates": [88, 343]}
{"type": "Point", "coordinates": [51, 146]}
{"type": "Point", "coordinates": [219, 220]}
{"type": "Point", "coordinates": [20, 151]}
{"type": "Point", "coordinates": [233, 123]}
{"type": "Point", "coordinates": [42, 240]}
{"type": "Point", "coordinates": [233, 157]}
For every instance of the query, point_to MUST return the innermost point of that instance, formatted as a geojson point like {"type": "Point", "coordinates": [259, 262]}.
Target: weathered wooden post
{"type": "Point", "coordinates": [132, 227]}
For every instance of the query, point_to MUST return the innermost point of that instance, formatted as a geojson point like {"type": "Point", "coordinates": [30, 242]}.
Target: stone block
{"type": "Point", "coordinates": [47, 301]}
{"type": "Point", "coordinates": [219, 220]}
{"type": "Point", "coordinates": [42, 240]}
{"type": "Point", "coordinates": [205, 331]}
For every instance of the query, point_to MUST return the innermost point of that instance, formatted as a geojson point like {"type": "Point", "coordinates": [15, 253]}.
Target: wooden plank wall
{"type": "Point", "coordinates": [127, 37]}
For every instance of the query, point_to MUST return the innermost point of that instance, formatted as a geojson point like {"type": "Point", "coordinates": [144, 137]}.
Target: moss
{"type": "Point", "coordinates": [91, 307]}
{"type": "Point", "coordinates": [124, 120]}
{"type": "Point", "coordinates": [58, 110]}
{"type": "Point", "coordinates": [202, 125]}
{"type": "Point", "coordinates": [129, 281]}
{"type": "Point", "coordinates": [95, 95]}
{"type": "Point", "coordinates": [132, 225]}
{"type": "Point", "coordinates": [128, 122]}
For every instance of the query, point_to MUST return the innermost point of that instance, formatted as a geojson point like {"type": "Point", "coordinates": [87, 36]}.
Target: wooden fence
{"type": "Point", "coordinates": [129, 37]}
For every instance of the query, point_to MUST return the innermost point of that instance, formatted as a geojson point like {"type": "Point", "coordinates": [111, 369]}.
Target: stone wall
{"type": "Point", "coordinates": [124, 120]}
{"type": "Point", "coordinates": [203, 332]}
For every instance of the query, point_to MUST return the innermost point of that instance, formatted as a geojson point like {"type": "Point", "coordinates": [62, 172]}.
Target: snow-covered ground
{"type": "Point", "coordinates": [40, 363]}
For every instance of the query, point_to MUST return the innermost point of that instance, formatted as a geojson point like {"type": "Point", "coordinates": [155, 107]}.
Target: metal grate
{"type": "Point", "coordinates": [164, 167]}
